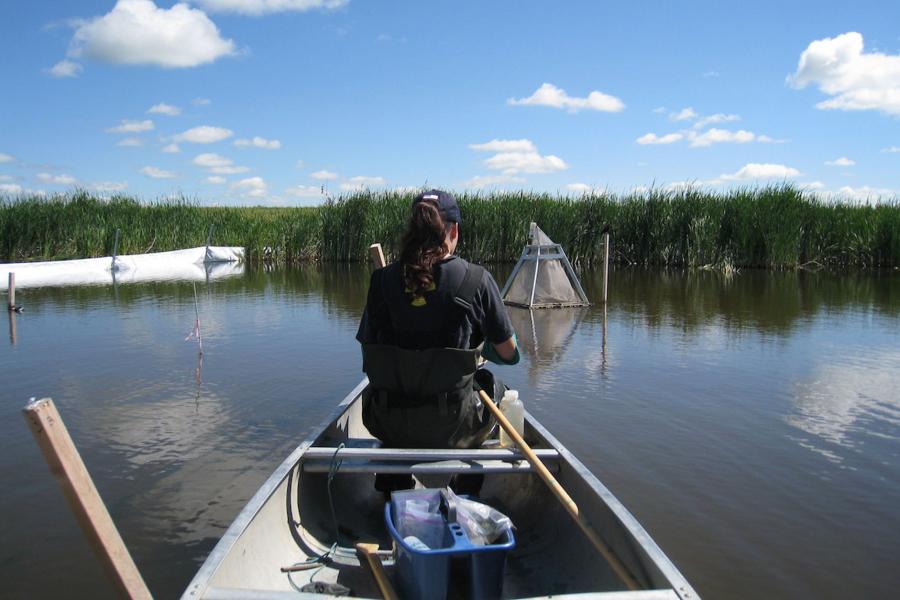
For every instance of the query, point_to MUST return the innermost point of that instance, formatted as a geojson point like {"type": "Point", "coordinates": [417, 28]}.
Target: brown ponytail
{"type": "Point", "coordinates": [422, 246]}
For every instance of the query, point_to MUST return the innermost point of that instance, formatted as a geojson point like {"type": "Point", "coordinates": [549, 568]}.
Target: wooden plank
{"type": "Point", "coordinates": [369, 552]}
{"type": "Point", "coordinates": [65, 463]}
{"type": "Point", "coordinates": [377, 255]}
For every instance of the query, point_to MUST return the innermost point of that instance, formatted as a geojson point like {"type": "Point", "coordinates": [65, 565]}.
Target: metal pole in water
{"type": "Point", "coordinates": [605, 265]}
{"type": "Point", "coordinates": [208, 242]}
{"type": "Point", "coordinates": [112, 267]}
{"type": "Point", "coordinates": [197, 313]}
{"type": "Point", "coordinates": [11, 303]}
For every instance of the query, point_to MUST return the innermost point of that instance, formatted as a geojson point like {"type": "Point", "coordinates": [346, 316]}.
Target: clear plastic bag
{"type": "Point", "coordinates": [418, 515]}
{"type": "Point", "coordinates": [482, 524]}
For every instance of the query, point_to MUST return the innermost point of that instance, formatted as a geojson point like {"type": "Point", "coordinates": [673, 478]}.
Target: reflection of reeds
{"type": "Point", "coordinates": [775, 227]}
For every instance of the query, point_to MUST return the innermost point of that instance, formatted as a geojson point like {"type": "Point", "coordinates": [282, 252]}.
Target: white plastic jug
{"type": "Point", "coordinates": [514, 411]}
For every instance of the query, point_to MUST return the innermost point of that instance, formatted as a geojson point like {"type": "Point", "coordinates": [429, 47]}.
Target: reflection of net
{"type": "Point", "coordinates": [555, 284]}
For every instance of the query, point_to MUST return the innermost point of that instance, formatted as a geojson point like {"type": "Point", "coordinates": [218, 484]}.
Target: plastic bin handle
{"type": "Point", "coordinates": [450, 504]}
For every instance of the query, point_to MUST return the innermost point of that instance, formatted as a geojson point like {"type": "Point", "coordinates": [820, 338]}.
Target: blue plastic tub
{"type": "Point", "coordinates": [424, 573]}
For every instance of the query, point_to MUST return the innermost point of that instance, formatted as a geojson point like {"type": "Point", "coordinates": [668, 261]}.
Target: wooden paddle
{"type": "Point", "coordinates": [370, 553]}
{"type": "Point", "coordinates": [620, 569]}
{"type": "Point", "coordinates": [65, 463]}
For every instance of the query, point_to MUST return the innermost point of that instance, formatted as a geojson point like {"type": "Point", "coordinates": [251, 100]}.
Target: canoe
{"type": "Point", "coordinates": [289, 520]}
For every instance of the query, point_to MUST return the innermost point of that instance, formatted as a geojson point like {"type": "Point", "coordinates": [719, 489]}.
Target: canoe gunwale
{"type": "Point", "coordinates": [640, 539]}
{"type": "Point", "coordinates": [201, 580]}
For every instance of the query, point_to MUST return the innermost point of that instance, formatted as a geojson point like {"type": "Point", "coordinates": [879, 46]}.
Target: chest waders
{"type": "Point", "coordinates": [426, 398]}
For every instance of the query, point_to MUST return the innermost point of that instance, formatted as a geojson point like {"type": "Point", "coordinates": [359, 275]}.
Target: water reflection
{"type": "Point", "coordinates": [544, 336]}
{"type": "Point", "coordinates": [846, 401]}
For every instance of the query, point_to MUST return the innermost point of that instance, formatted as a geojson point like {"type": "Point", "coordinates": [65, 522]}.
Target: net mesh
{"type": "Point", "coordinates": [553, 285]}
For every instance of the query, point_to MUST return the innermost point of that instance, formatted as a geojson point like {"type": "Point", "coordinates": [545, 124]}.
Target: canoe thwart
{"type": "Point", "coordinates": [438, 467]}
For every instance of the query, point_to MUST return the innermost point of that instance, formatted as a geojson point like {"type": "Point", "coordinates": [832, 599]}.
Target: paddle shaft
{"type": "Point", "coordinates": [370, 553]}
{"type": "Point", "coordinates": [620, 570]}
{"type": "Point", "coordinates": [65, 463]}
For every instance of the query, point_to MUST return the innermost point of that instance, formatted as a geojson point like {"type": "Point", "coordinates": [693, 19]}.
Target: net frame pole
{"type": "Point", "coordinates": [537, 263]}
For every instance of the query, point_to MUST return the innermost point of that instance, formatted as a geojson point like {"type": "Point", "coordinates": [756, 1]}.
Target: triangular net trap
{"type": "Point", "coordinates": [543, 277]}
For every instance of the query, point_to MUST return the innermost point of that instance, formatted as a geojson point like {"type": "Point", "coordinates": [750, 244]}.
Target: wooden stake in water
{"type": "Point", "coordinates": [377, 255]}
{"type": "Point", "coordinates": [67, 467]}
{"type": "Point", "coordinates": [11, 303]}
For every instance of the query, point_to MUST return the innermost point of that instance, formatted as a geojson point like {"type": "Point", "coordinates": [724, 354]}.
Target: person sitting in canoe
{"type": "Point", "coordinates": [428, 318]}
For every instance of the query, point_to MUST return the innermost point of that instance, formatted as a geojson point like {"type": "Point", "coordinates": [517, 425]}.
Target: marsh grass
{"type": "Point", "coordinates": [773, 227]}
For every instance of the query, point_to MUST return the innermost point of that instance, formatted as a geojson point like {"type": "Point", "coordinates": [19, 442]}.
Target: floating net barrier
{"type": "Point", "coordinates": [191, 264]}
{"type": "Point", "coordinates": [543, 277]}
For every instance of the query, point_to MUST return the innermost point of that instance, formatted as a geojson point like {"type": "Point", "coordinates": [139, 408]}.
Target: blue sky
{"type": "Point", "coordinates": [266, 101]}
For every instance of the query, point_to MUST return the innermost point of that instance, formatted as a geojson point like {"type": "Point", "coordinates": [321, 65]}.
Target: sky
{"type": "Point", "coordinates": [277, 102]}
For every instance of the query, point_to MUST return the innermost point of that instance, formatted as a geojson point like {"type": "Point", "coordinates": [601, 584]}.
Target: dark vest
{"type": "Point", "coordinates": [420, 375]}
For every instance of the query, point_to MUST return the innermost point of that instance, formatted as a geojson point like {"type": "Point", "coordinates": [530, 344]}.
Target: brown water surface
{"type": "Point", "coordinates": [751, 423]}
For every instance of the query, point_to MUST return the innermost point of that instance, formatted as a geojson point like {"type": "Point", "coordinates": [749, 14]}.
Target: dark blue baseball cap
{"type": "Point", "coordinates": [446, 203]}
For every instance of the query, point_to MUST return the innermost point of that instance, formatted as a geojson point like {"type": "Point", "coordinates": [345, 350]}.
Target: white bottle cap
{"type": "Point", "coordinates": [511, 395]}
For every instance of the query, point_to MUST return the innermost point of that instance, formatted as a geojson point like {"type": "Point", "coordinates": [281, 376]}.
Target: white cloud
{"type": "Point", "coordinates": [709, 74]}
{"type": "Point", "coordinates": [65, 68]}
{"type": "Point", "coordinates": [204, 134]}
{"type": "Point", "coordinates": [137, 32]}
{"type": "Point", "coordinates": [171, 148]}
{"type": "Point", "coordinates": [164, 109]}
{"type": "Point", "coordinates": [685, 114]}
{"type": "Point", "coordinates": [659, 110]}
{"type": "Point", "coordinates": [652, 138]}
{"type": "Point", "coordinates": [109, 187]}
{"type": "Point", "coordinates": [504, 146]}
{"type": "Point", "coordinates": [518, 156]}
{"type": "Point", "coordinates": [56, 179]}
{"type": "Point", "coordinates": [713, 119]}
{"type": "Point", "coordinates": [811, 185]}
{"type": "Point", "coordinates": [215, 180]}
{"type": "Point", "coordinates": [482, 181]}
{"type": "Point", "coordinates": [361, 182]}
{"type": "Point", "coordinates": [262, 7]}
{"type": "Point", "coordinates": [228, 170]}
{"type": "Point", "coordinates": [304, 191]}
{"type": "Point", "coordinates": [893, 149]}
{"type": "Point", "coordinates": [840, 162]}
{"type": "Point", "coordinates": [550, 95]}
{"type": "Point", "coordinates": [252, 187]}
{"type": "Point", "coordinates": [258, 142]}
{"type": "Point", "coordinates": [156, 173]}
{"type": "Point", "coordinates": [579, 188]}
{"type": "Point", "coordinates": [511, 163]}
{"type": "Point", "coordinates": [6, 178]}
{"type": "Point", "coordinates": [200, 101]}
{"type": "Point", "coordinates": [865, 194]}
{"type": "Point", "coordinates": [6, 158]}
{"type": "Point", "coordinates": [131, 126]}
{"type": "Point", "coordinates": [13, 189]}
{"type": "Point", "coordinates": [130, 141]}
{"type": "Point", "coordinates": [209, 160]}
{"type": "Point", "coordinates": [719, 136]}
{"type": "Point", "coordinates": [323, 175]}
{"type": "Point", "coordinates": [855, 80]}
{"type": "Point", "coordinates": [762, 171]}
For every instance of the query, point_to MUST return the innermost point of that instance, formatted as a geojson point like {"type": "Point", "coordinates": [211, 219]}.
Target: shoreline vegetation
{"type": "Point", "coordinates": [777, 227]}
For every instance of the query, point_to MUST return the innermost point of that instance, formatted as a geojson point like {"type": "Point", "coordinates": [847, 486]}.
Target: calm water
{"type": "Point", "coordinates": [751, 424]}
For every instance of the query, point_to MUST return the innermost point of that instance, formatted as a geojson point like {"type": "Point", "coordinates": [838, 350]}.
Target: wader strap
{"type": "Point", "coordinates": [465, 295]}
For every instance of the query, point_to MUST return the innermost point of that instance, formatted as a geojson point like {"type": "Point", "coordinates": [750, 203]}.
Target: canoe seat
{"type": "Point", "coordinates": [317, 459]}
